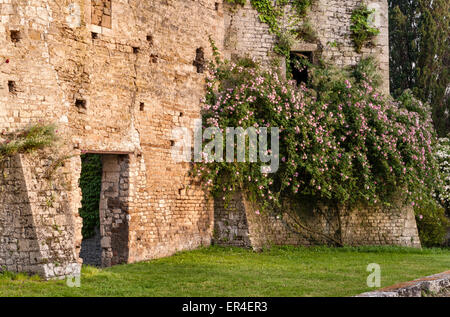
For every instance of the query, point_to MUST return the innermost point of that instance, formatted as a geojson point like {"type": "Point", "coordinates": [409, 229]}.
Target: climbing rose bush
{"type": "Point", "coordinates": [340, 139]}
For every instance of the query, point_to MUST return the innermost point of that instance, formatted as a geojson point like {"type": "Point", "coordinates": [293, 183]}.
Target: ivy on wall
{"type": "Point", "coordinates": [271, 14]}
{"type": "Point", "coordinates": [362, 32]}
{"type": "Point", "coordinates": [302, 6]}
{"type": "Point", "coordinates": [90, 184]}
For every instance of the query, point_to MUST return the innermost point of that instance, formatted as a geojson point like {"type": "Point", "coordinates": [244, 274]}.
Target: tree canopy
{"type": "Point", "coordinates": [420, 38]}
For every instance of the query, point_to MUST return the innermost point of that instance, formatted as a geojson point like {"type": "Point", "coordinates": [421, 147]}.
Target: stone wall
{"type": "Point", "coordinates": [243, 223]}
{"type": "Point", "coordinates": [37, 221]}
{"type": "Point", "coordinates": [246, 35]}
{"type": "Point", "coordinates": [114, 209]}
{"type": "Point", "coordinates": [101, 13]}
{"type": "Point", "coordinates": [238, 223]}
{"type": "Point", "coordinates": [114, 89]}
{"type": "Point", "coordinates": [117, 77]}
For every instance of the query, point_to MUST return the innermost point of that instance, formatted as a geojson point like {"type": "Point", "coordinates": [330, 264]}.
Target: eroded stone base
{"type": "Point", "coordinates": [241, 223]}
{"type": "Point", "coordinates": [37, 225]}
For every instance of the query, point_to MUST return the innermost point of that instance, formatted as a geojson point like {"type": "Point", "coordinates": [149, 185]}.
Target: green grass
{"type": "Point", "coordinates": [216, 271]}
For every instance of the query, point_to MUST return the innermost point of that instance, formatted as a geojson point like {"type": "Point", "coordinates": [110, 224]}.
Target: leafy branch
{"type": "Point", "coordinates": [362, 32]}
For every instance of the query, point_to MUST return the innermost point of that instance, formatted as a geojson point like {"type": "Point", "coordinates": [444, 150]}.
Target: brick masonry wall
{"type": "Point", "coordinates": [101, 13]}
{"type": "Point", "coordinates": [37, 221]}
{"type": "Point", "coordinates": [112, 89]}
{"type": "Point", "coordinates": [246, 35]}
{"type": "Point", "coordinates": [115, 86]}
{"type": "Point", "coordinates": [242, 223]}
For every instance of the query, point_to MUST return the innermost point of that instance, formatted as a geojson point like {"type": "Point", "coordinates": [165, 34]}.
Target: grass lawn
{"type": "Point", "coordinates": [216, 271]}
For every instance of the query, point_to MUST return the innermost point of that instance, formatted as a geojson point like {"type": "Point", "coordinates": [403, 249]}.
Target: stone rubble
{"type": "Point", "coordinates": [434, 285]}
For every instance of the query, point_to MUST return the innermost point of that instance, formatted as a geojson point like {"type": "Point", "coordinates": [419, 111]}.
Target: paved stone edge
{"type": "Point", "coordinates": [433, 284]}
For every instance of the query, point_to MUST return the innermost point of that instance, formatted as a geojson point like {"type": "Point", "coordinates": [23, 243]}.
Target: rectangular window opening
{"type": "Point", "coordinates": [15, 36]}
{"type": "Point", "coordinates": [299, 66]}
{"type": "Point", "coordinates": [12, 88]}
{"type": "Point", "coordinates": [199, 61]}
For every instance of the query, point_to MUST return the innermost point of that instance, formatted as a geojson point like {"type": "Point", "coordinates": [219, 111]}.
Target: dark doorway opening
{"type": "Point", "coordinates": [91, 185]}
{"type": "Point", "coordinates": [104, 183]}
{"type": "Point", "coordinates": [299, 66]}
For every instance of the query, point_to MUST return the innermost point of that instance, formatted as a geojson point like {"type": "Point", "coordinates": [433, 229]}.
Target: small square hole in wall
{"type": "Point", "coordinates": [142, 106]}
{"type": "Point", "coordinates": [12, 88]}
{"type": "Point", "coordinates": [136, 50]}
{"type": "Point", "coordinates": [199, 61]}
{"type": "Point", "coordinates": [94, 35]}
{"type": "Point", "coordinates": [81, 104]}
{"type": "Point", "coordinates": [15, 36]}
{"type": "Point", "coordinates": [150, 39]}
{"type": "Point", "coordinates": [153, 58]}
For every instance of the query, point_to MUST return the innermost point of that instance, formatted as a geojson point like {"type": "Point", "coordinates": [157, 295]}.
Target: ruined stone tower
{"type": "Point", "coordinates": [117, 77]}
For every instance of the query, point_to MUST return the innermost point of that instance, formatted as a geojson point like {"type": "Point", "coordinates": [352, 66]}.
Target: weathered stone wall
{"type": "Point", "coordinates": [44, 213]}
{"type": "Point", "coordinates": [115, 89]}
{"type": "Point", "coordinates": [117, 77]}
{"type": "Point", "coordinates": [246, 35]}
{"type": "Point", "coordinates": [242, 223]}
{"type": "Point", "coordinates": [114, 209]}
{"type": "Point", "coordinates": [101, 13]}
{"type": "Point", "coordinates": [37, 221]}
{"type": "Point", "coordinates": [230, 223]}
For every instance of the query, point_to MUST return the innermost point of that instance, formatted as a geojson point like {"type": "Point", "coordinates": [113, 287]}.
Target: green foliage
{"type": "Point", "coordinates": [307, 32]}
{"type": "Point", "coordinates": [340, 140]}
{"type": "Point", "coordinates": [268, 13]}
{"type": "Point", "coordinates": [283, 46]}
{"type": "Point", "coordinates": [90, 184]}
{"type": "Point", "coordinates": [419, 36]}
{"type": "Point", "coordinates": [236, 2]}
{"type": "Point", "coordinates": [33, 138]}
{"type": "Point", "coordinates": [432, 224]}
{"type": "Point", "coordinates": [403, 34]}
{"type": "Point", "coordinates": [19, 277]}
{"type": "Point", "coordinates": [302, 6]}
{"type": "Point", "coordinates": [443, 158]}
{"type": "Point", "coordinates": [271, 14]}
{"type": "Point", "coordinates": [367, 69]}
{"type": "Point", "coordinates": [362, 32]}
